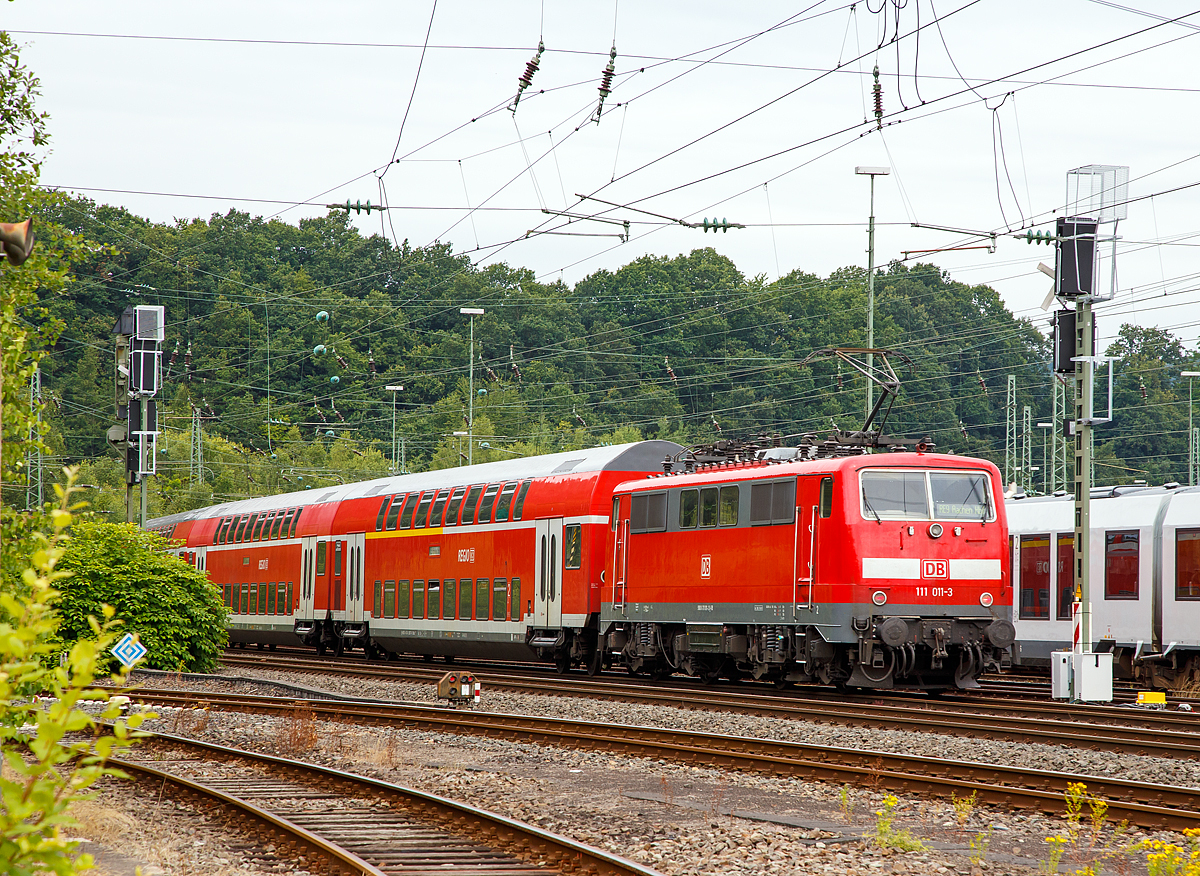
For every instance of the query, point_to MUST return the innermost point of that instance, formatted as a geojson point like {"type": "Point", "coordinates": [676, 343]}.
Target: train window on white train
{"type": "Point", "coordinates": [729, 506]}
{"type": "Point", "coordinates": [401, 502]}
{"type": "Point", "coordinates": [519, 504]}
{"type": "Point", "coordinates": [472, 500]}
{"type": "Point", "coordinates": [483, 589]}
{"type": "Point", "coordinates": [499, 599]}
{"type": "Point", "coordinates": [455, 503]}
{"type": "Point", "coordinates": [418, 599]}
{"type": "Point", "coordinates": [1121, 564]}
{"type": "Point", "coordinates": [960, 495]}
{"type": "Point", "coordinates": [514, 599]}
{"type": "Point", "coordinates": [485, 506]}
{"type": "Point", "coordinates": [689, 508]}
{"type": "Point", "coordinates": [465, 592]}
{"type": "Point", "coordinates": [449, 601]}
{"type": "Point", "coordinates": [1187, 563]}
{"type": "Point", "coordinates": [439, 507]}
{"type": "Point", "coordinates": [505, 500]}
{"type": "Point", "coordinates": [383, 508]}
{"type": "Point", "coordinates": [573, 546]}
{"type": "Point", "coordinates": [421, 517]}
{"type": "Point", "coordinates": [1066, 580]}
{"type": "Point", "coordinates": [1035, 577]}
{"type": "Point", "coordinates": [402, 599]}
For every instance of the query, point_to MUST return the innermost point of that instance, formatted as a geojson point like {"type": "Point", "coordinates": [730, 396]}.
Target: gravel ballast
{"type": "Point", "coordinates": [678, 819]}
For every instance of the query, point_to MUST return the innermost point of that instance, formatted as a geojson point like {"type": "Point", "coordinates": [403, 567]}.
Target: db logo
{"type": "Point", "coordinates": [262, 564]}
{"type": "Point", "coordinates": [935, 569]}
{"type": "Point", "coordinates": [706, 566]}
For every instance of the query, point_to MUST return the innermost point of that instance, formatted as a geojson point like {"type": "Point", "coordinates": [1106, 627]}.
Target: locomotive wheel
{"type": "Point", "coordinates": [340, 647]}
{"type": "Point", "coordinates": [562, 663]}
{"type": "Point", "coordinates": [595, 662]}
{"type": "Point", "coordinates": [321, 648]}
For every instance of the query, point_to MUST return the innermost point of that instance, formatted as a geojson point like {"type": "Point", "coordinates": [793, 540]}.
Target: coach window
{"type": "Point", "coordinates": [505, 501]}
{"type": "Point", "coordinates": [439, 506]}
{"type": "Point", "coordinates": [455, 503]}
{"type": "Point", "coordinates": [268, 523]}
{"type": "Point", "coordinates": [1066, 580]}
{"type": "Point", "coordinates": [572, 546]}
{"type": "Point", "coordinates": [1035, 577]}
{"type": "Point", "coordinates": [322, 550]}
{"type": "Point", "coordinates": [421, 518]}
{"type": "Point", "coordinates": [262, 599]}
{"type": "Point", "coordinates": [227, 595]}
{"type": "Point", "coordinates": [729, 506]}
{"type": "Point", "coordinates": [1187, 564]}
{"type": "Point", "coordinates": [449, 592]}
{"type": "Point", "coordinates": [256, 523]}
{"type": "Point", "coordinates": [389, 599]}
{"type": "Point", "coordinates": [485, 506]}
{"type": "Point", "coordinates": [337, 558]}
{"type": "Point", "coordinates": [468, 513]}
{"type": "Point", "coordinates": [465, 591]}
{"type": "Point", "coordinates": [409, 504]}
{"type": "Point", "coordinates": [239, 529]}
{"type": "Point", "coordinates": [377, 610]}
{"type": "Point", "coordinates": [272, 588]}
{"type": "Point", "coordinates": [245, 599]}
{"type": "Point", "coordinates": [253, 591]}
{"type": "Point", "coordinates": [1121, 564]}
{"type": "Point", "coordinates": [499, 598]}
{"type": "Point", "coordinates": [519, 504]}
{"type": "Point", "coordinates": [276, 523]}
{"type": "Point", "coordinates": [708, 507]}
{"type": "Point", "coordinates": [287, 606]}
{"type": "Point", "coordinates": [435, 599]}
{"type": "Point", "coordinates": [514, 598]}
{"type": "Point", "coordinates": [383, 508]}
{"type": "Point", "coordinates": [482, 594]}
{"type": "Point", "coordinates": [402, 599]}
{"type": "Point", "coordinates": [689, 509]}
{"type": "Point", "coordinates": [418, 599]}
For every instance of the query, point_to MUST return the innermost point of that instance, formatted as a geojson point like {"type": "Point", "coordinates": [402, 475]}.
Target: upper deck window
{"type": "Point", "coordinates": [909, 495]}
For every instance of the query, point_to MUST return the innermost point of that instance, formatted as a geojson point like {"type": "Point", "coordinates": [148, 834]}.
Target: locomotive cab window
{"type": "Point", "coordinates": [648, 512]}
{"type": "Point", "coordinates": [572, 546]}
{"type": "Point", "coordinates": [1187, 564]}
{"type": "Point", "coordinates": [925, 495]}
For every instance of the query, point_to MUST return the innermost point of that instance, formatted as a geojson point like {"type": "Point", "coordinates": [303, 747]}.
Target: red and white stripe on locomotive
{"type": "Point", "coordinates": [867, 570]}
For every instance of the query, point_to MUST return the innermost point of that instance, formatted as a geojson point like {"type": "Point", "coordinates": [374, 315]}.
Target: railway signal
{"type": "Point", "coordinates": [139, 333]}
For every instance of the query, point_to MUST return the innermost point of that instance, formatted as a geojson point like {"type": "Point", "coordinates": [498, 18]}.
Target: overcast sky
{"type": "Point", "coordinates": [752, 112]}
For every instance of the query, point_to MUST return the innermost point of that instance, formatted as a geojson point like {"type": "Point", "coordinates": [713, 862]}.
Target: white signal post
{"type": "Point", "coordinates": [872, 172]}
{"type": "Point", "coordinates": [471, 312]}
{"type": "Point", "coordinates": [1191, 433]}
{"type": "Point", "coordinates": [393, 390]}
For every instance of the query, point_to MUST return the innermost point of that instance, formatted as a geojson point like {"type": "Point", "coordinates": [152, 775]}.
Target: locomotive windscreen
{"type": "Point", "coordinates": [909, 495]}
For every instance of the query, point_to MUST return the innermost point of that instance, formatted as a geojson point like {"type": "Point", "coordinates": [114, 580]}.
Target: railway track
{"type": "Point", "coordinates": [338, 822]}
{"type": "Point", "coordinates": [1103, 728]}
{"type": "Point", "coordinates": [1149, 805]}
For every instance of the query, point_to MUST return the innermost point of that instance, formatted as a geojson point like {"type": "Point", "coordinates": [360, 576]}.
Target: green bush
{"type": "Point", "coordinates": [174, 609]}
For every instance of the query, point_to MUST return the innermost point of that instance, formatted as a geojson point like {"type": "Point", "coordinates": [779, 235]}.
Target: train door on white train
{"type": "Point", "coordinates": [308, 569]}
{"type": "Point", "coordinates": [547, 611]}
{"type": "Point", "coordinates": [354, 576]}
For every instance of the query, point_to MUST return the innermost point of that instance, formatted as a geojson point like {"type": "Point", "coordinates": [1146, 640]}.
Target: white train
{"type": "Point", "coordinates": [1145, 559]}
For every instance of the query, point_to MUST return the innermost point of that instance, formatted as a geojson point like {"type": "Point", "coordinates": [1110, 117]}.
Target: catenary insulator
{"type": "Point", "coordinates": [877, 89]}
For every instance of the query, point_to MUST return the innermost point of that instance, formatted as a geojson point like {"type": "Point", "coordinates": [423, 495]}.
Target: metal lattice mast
{"type": "Point", "coordinates": [1027, 448]}
{"type": "Point", "coordinates": [1194, 470]}
{"type": "Point", "coordinates": [1010, 432]}
{"type": "Point", "coordinates": [33, 459]}
{"type": "Point", "coordinates": [196, 454]}
{"type": "Point", "coordinates": [1061, 442]}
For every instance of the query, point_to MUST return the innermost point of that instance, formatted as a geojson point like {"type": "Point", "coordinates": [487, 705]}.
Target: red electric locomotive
{"type": "Point", "coordinates": [869, 571]}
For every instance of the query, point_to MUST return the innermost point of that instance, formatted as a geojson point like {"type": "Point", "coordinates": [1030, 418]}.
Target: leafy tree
{"type": "Point", "coordinates": [173, 608]}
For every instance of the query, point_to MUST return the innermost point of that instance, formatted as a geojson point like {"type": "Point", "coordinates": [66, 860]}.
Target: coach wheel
{"type": "Point", "coordinates": [428, 658]}
{"type": "Point", "coordinates": [449, 658]}
{"type": "Point", "coordinates": [271, 647]}
{"type": "Point", "coordinates": [261, 646]}
{"type": "Point", "coordinates": [562, 663]}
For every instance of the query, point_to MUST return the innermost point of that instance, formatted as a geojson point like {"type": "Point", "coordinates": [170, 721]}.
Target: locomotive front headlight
{"type": "Point", "coordinates": [879, 597]}
{"type": "Point", "coordinates": [935, 530]}
{"type": "Point", "coordinates": [985, 599]}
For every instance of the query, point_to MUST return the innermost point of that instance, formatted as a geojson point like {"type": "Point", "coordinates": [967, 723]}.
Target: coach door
{"type": "Point", "coordinates": [354, 576]}
{"type": "Point", "coordinates": [308, 576]}
{"type": "Point", "coordinates": [547, 610]}
{"type": "Point", "coordinates": [201, 562]}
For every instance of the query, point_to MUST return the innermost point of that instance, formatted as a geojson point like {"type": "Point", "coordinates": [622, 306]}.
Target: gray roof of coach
{"type": "Point", "coordinates": [638, 456]}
